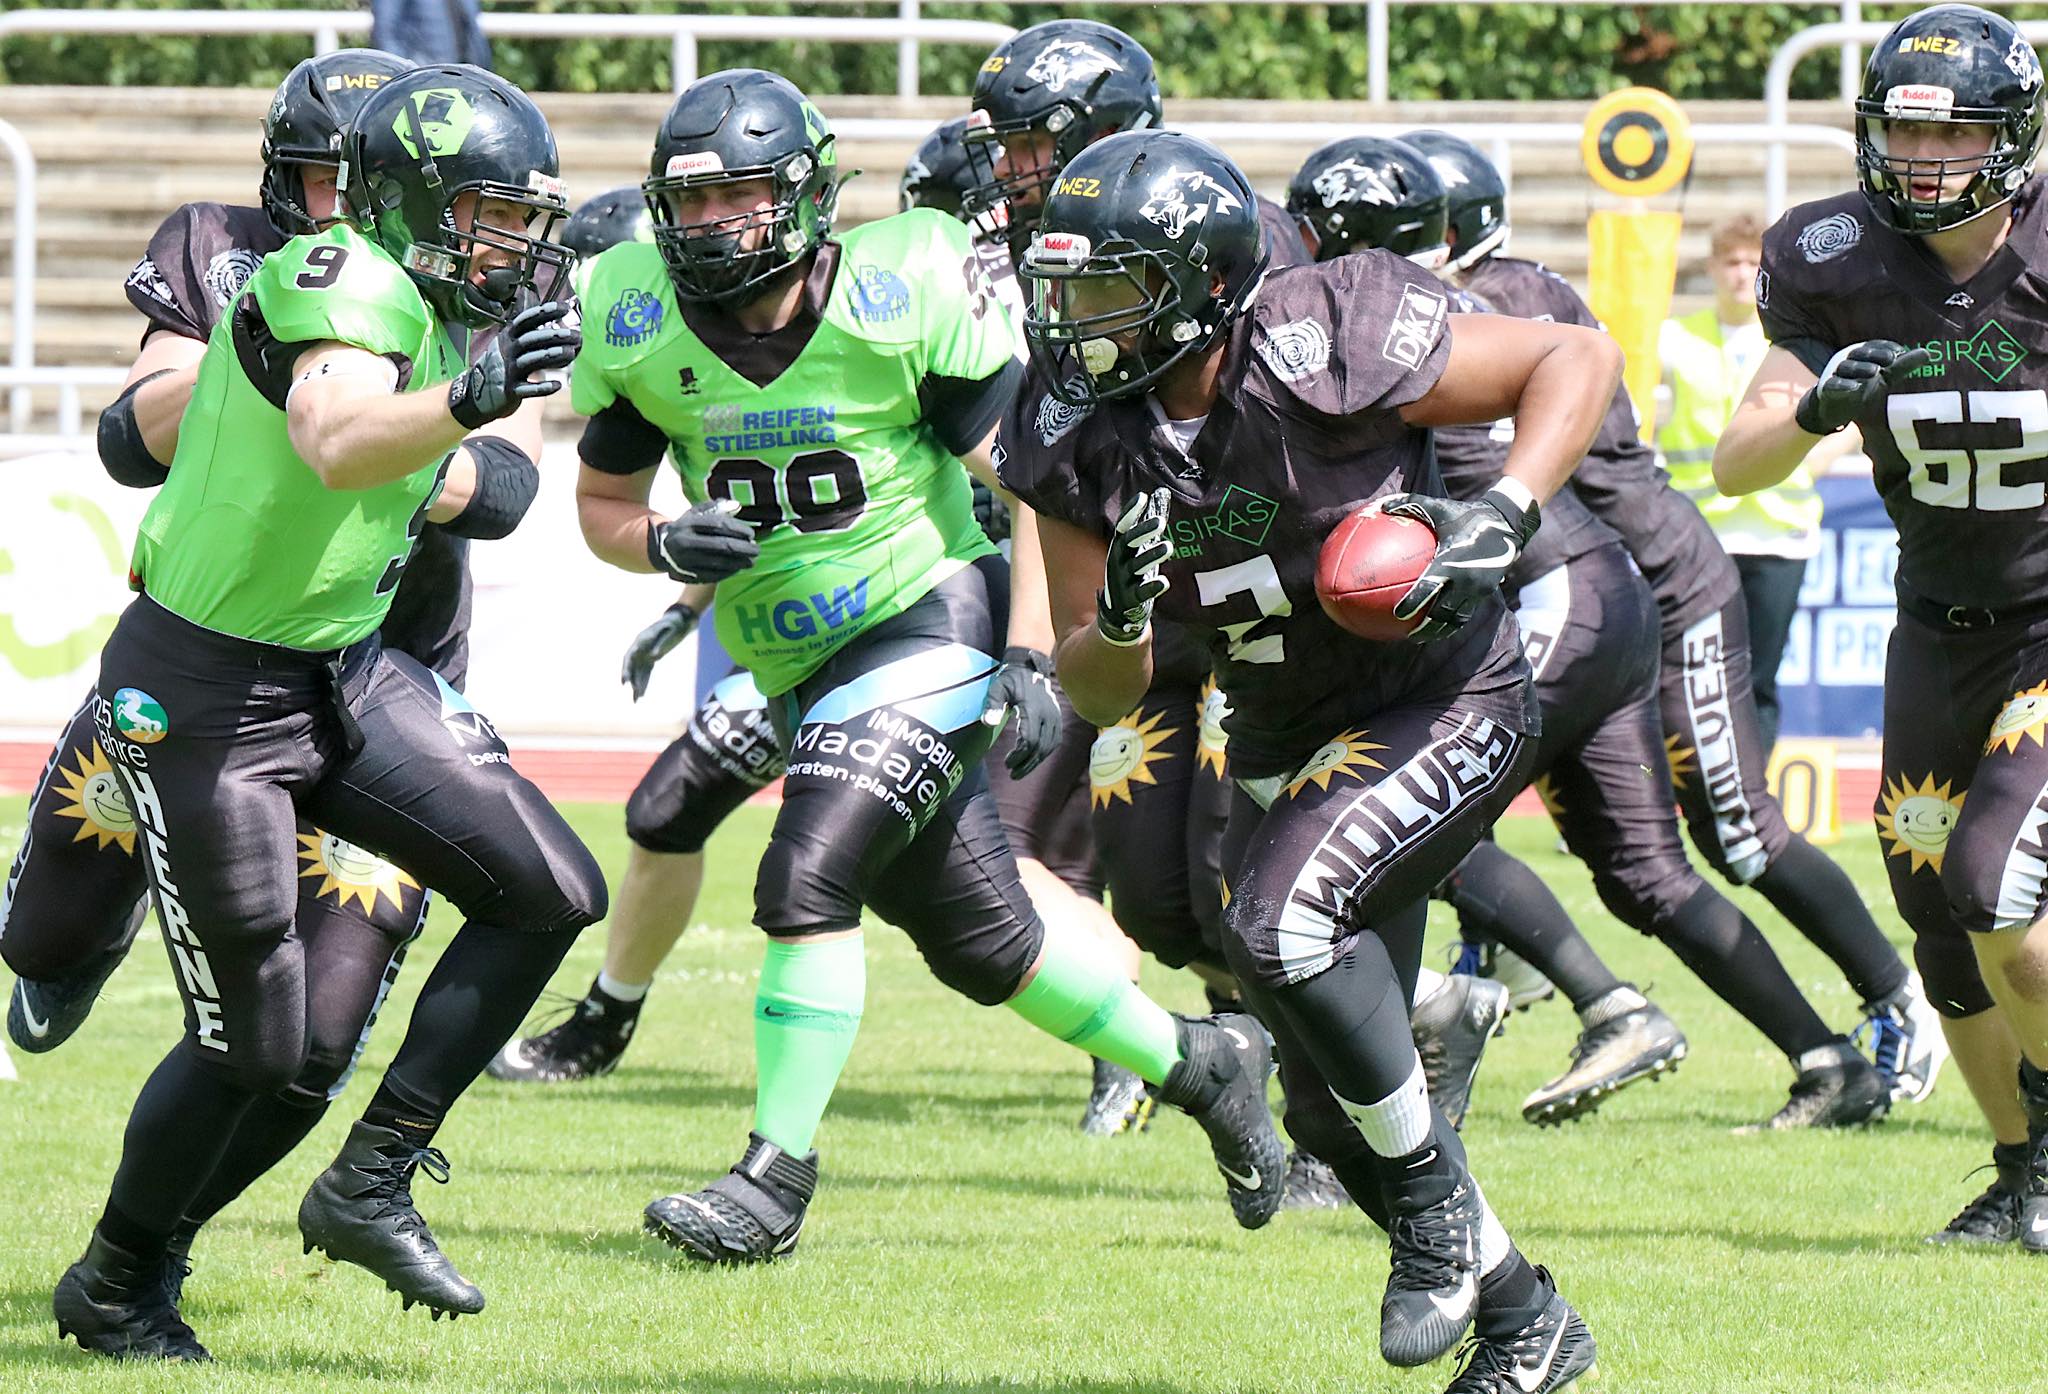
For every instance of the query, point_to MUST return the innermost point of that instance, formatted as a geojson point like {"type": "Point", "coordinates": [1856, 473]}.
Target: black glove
{"type": "Point", "coordinates": [1130, 577]}
{"type": "Point", "coordinates": [512, 369]}
{"type": "Point", "coordinates": [1024, 685]}
{"type": "Point", "coordinates": [707, 543]}
{"type": "Point", "coordinates": [1853, 379]}
{"type": "Point", "coordinates": [655, 643]}
{"type": "Point", "coordinates": [1476, 543]}
{"type": "Point", "coordinates": [990, 512]}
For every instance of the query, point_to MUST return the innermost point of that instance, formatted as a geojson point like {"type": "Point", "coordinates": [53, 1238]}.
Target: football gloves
{"type": "Point", "coordinates": [1852, 380]}
{"type": "Point", "coordinates": [1023, 685]}
{"type": "Point", "coordinates": [1476, 543]}
{"type": "Point", "coordinates": [655, 643]}
{"type": "Point", "coordinates": [706, 543]}
{"type": "Point", "coordinates": [516, 365]}
{"type": "Point", "coordinates": [1131, 581]}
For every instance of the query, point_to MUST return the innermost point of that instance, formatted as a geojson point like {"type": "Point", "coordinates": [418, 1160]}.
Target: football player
{"type": "Point", "coordinates": [1363, 771]}
{"type": "Point", "coordinates": [1709, 716]}
{"type": "Point", "coordinates": [818, 394]}
{"type": "Point", "coordinates": [1913, 308]}
{"type": "Point", "coordinates": [247, 685]}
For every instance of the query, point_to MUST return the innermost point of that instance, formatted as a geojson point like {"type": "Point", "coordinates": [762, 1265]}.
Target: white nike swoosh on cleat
{"type": "Point", "coordinates": [1529, 1378]}
{"type": "Point", "coordinates": [1238, 1038]}
{"type": "Point", "coordinates": [1250, 1181]}
{"type": "Point", "coordinates": [2038, 1225]}
{"type": "Point", "coordinates": [38, 1029]}
{"type": "Point", "coordinates": [1458, 1304]}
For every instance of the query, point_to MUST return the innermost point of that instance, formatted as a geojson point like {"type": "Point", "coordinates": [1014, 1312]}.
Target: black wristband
{"type": "Point", "coordinates": [462, 402]}
{"type": "Point", "coordinates": [654, 557]}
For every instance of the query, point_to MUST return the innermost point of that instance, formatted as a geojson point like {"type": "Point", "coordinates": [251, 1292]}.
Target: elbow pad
{"type": "Point", "coordinates": [122, 452]}
{"type": "Point", "coordinates": [506, 481]}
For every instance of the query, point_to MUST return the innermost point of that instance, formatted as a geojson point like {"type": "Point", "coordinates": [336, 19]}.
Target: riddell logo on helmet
{"type": "Point", "coordinates": [699, 162]}
{"type": "Point", "coordinates": [1923, 100]}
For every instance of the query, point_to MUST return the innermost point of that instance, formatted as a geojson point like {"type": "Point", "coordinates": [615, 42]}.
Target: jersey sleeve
{"type": "Point", "coordinates": [966, 334]}
{"type": "Point", "coordinates": [1791, 318]}
{"type": "Point", "coordinates": [1034, 454]}
{"type": "Point", "coordinates": [334, 287]}
{"type": "Point", "coordinates": [165, 284]}
{"type": "Point", "coordinates": [1366, 333]}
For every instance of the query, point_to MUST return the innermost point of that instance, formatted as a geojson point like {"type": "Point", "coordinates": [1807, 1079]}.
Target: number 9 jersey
{"type": "Point", "coordinates": [243, 538]}
{"type": "Point", "coordinates": [832, 434]}
{"type": "Point", "coordinates": [1959, 449]}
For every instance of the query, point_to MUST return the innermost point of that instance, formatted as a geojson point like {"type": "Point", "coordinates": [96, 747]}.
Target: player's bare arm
{"type": "Point", "coordinates": [1555, 380]}
{"type": "Point", "coordinates": [1102, 679]}
{"type": "Point", "coordinates": [1763, 442]}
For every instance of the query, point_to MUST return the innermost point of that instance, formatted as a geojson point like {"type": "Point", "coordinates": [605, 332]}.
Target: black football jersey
{"type": "Point", "coordinates": [1306, 428]}
{"type": "Point", "coordinates": [198, 261]}
{"type": "Point", "coordinates": [1959, 451]}
{"type": "Point", "coordinates": [1284, 246]}
{"type": "Point", "coordinates": [1619, 479]}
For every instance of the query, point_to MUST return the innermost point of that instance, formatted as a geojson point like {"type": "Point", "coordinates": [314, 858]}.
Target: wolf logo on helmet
{"type": "Point", "coordinates": [1351, 182]}
{"type": "Point", "coordinates": [1173, 209]}
{"type": "Point", "coordinates": [1070, 61]}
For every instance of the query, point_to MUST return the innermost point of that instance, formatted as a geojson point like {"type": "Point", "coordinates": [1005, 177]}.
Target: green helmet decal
{"type": "Point", "coordinates": [814, 125]}
{"type": "Point", "coordinates": [441, 116]}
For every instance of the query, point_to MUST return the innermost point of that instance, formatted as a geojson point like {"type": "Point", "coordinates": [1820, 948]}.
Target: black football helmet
{"type": "Point", "coordinates": [313, 106]}
{"type": "Point", "coordinates": [618, 215]}
{"type": "Point", "coordinates": [1372, 191]}
{"type": "Point", "coordinates": [1477, 195]}
{"type": "Point", "coordinates": [737, 125]}
{"type": "Point", "coordinates": [940, 176]}
{"type": "Point", "coordinates": [1953, 63]}
{"type": "Point", "coordinates": [1071, 79]}
{"type": "Point", "coordinates": [425, 140]}
{"type": "Point", "coordinates": [1150, 246]}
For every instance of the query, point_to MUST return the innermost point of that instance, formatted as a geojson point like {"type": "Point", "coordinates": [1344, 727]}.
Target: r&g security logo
{"type": "Point", "coordinates": [878, 295]}
{"type": "Point", "coordinates": [634, 319]}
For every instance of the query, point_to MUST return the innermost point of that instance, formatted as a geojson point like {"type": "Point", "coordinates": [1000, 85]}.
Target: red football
{"type": "Point", "coordinates": [1368, 562]}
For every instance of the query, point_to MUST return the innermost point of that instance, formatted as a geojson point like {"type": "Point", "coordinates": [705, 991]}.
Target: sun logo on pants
{"type": "Point", "coordinates": [1546, 790]}
{"type": "Point", "coordinates": [2025, 715]}
{"type": "Point", "coordinates": [1123, 753]}
{"type": "Point", "coordinates": [1210, 741]}
{"type": "Point", "coordinates": [1916, 820]}
{"type": "Point", "coordinates": [1683, 761]}
{"type": "Point", "coordinates": [97, 801]}
{"type": "Point", "coordinates": [348, 872]}
{"type": "Point", "coordinates": [1347, 755]}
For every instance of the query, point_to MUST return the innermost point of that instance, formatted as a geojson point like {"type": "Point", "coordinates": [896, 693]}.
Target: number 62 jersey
{"type": "Point", "coordinates": [1959, 450]}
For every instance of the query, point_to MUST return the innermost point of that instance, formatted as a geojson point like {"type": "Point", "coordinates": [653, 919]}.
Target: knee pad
{"type": "Point", "coordinates": [985, 963]}
{"type": "Point", "coordinates": [268, 1071]}
{"type": "Point", "coordinates": [1319, 1126]}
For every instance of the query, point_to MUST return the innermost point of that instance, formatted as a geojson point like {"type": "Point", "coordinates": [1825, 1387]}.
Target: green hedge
{"type": "Point", "coordinates": [1304, 51]}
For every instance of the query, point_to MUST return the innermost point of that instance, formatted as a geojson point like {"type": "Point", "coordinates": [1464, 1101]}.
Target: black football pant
{"type": "Point", "coordinates": [221, 744]}
{"type": "Point", "coordinates": [727, 752]}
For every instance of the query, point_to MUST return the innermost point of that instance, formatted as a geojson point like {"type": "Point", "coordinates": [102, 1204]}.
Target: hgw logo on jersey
{"type": "Point", "coordinates": [1829, 237]}
{"type": "Point", "coordinates": [795, 620]}
{"type": "Point", "coordinates": [1348, 181]}
{"type": "Point", "coordinates": [1992, 351]}
{"type": "Point", "coordinates": [472, 730]}
{"type": "Point", "coordinates": [634, 318]}
{"type": "Point", "coordinates": [1295, 350]}
{"type": "Point", "coordinates": [1070, 61]}
{"type": "Point", "coordinates": [1416, 326]}
{"type": "Point", "coordinates": [1172, 205]}
{"type": "Point", "coordinates": [1055, 418]}
{"type": "Point", "coordinates": [878, 295]}
{"type": "Point", "coordinates": [228, 272]}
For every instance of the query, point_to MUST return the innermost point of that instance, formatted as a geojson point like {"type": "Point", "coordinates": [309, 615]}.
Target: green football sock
{"type": "Point", "coordinates": [1079, 996]}
{"type": "Point", "coordinates": [806, 1013]}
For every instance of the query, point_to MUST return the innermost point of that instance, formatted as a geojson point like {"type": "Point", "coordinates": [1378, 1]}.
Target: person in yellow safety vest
{"type": "Point", "coordinates": [1708, 357]}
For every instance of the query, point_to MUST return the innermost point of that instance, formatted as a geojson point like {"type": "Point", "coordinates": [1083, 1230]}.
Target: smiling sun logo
{"type": "Point", "coordinates": [1917, 819]}
{"type": "Point", "coordinates": [1347, 755]}
{"type": "Point", "coordinates": [1124, 753]}
{"type": "Point", "coordinates": [348, 873]}
{"type": "Point", "coordinates": [1683, 761]}
{"type": "Point", "coordinates": [2025, 715]}
{"type": "Point", "coordinates": [96, 801]}
{"type": "Point", "coordinates": [1212, 743]}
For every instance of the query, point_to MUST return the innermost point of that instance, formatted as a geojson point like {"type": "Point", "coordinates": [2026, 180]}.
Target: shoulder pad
{"type": "Point", "coordinates": [900, 275]}
{"type": "Point", "coordinates": [338, 285]}
{"type": "Point", "coordinates": [1341, 336]}
{"type": "Point", "coordinates": [1821, 250]}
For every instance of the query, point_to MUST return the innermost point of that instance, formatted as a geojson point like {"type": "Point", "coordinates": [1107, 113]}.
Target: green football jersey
{"type": "Point", "coordinates": [858, 508]}
{"type": "Point", "coordinates": [243, 538]}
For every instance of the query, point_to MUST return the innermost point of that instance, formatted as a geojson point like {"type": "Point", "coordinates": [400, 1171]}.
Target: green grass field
{"type": "Point", "coordinates": [968, 1238]}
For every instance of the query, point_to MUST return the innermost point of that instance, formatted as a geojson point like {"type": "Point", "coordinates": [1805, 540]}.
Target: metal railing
{"type": "Point", "coordinates": [907, 31]}
{"type": "Point", "coordinates": [1778, 85]}
{"type": "Point", "coordinates": [22, 266]}
{"type": "Point", "coordinates": [21, 381]}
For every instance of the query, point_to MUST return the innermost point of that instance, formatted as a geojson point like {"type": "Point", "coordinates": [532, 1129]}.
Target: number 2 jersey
{"type": "Point", "coordinates": [1305, 428]}
{"type": "Point", "coordinates": [1959, 450]}
{"type": "Point", "coordinates": [838, 435]}
{"type": "Point", "coordinates": [244, 538]}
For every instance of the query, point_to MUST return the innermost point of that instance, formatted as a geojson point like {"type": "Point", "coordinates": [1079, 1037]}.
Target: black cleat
{"type": "Point", "coordinates": [1220, 1081]}
{"type": "Point", "coordinates": [752, 1214]}
{"type": "Point", "coordinates": [1452, 1026]}
{"type": "Point", "coordinates": [1994, 1217]}
{"type": "Point", "coordinates": [585, 1044]}
{"type": "Point", "coordinates": [1120, 1102]}
{"type": "Point", "coordinates": [43, 1014]}
{"type": "Point", "coordinates": [1433, 1289]}
{"type": "Point", "coordinates": [113, 1303]}
{"type": "Point", "coordinates": [1836, 1088]}
{"type": "Point", "coordinates": [2033, 1213]}
{"type": "Point", "coordinates": [1639, 1044]}
{"type": "Point", "coordinates": [1543, 1356]}
{"type": "Point", "coordinates": [360, 1211]}
{"type": "Point", "coordinates": [1312, 1185]}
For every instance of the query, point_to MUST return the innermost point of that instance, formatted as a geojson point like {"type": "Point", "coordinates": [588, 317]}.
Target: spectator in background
{"type": "Point", "coordinates": [1708, 357]}
{"type": "Point", "coordinates": [433, 31]}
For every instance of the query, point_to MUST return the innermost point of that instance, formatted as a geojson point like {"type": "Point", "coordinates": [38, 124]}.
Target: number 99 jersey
{"type": "Point", "coordinates": [860, 506]}
{"type": "Point", "coordinates": [1959, 449]}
